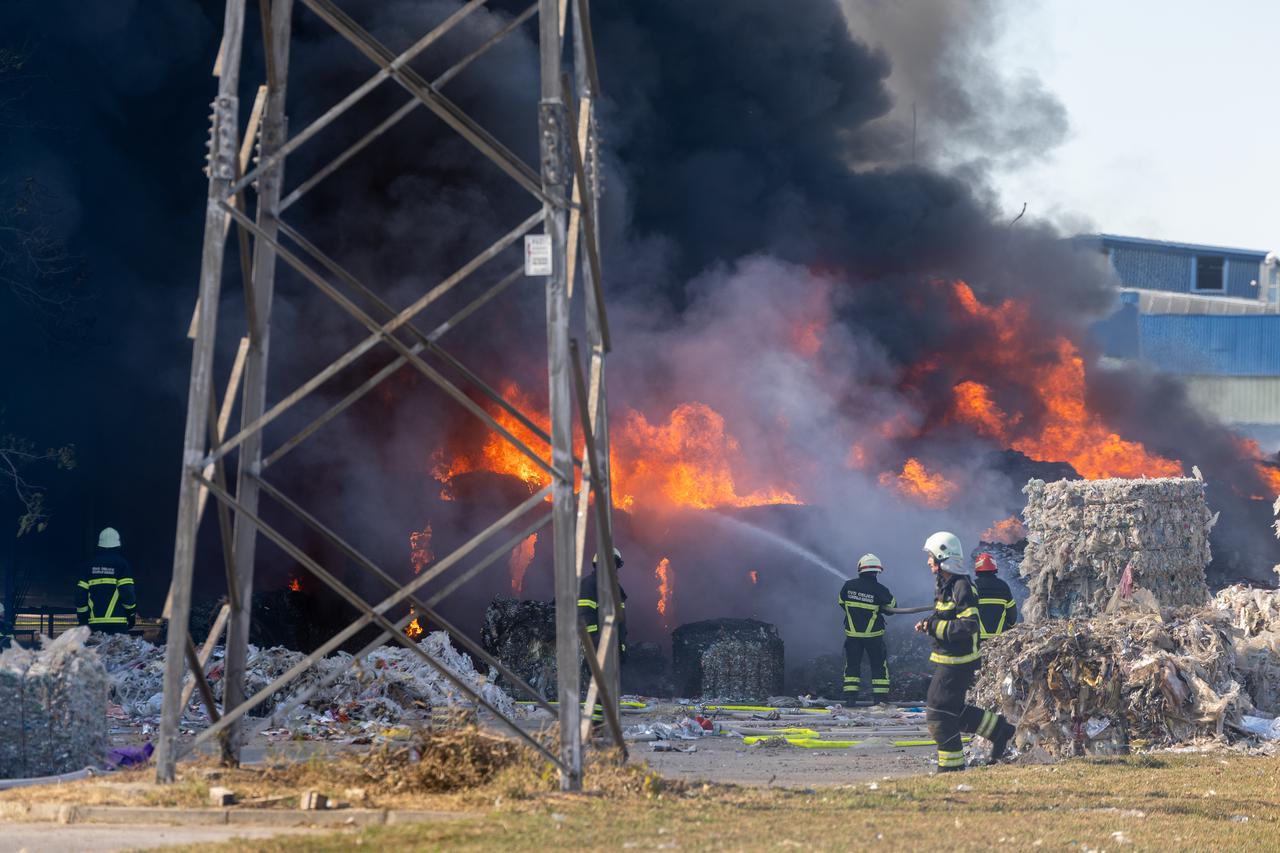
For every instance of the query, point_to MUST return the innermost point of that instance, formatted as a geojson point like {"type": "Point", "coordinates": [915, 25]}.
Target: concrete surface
{"type": "Point", "coordinates": [74, 838]}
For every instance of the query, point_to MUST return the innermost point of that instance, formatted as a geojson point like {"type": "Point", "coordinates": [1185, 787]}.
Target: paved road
{"type": "Point", "coordinates": [99, 838]}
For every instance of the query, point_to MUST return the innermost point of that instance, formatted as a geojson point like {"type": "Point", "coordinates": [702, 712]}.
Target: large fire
{"type": "Point", "coordinates": [663, 575]}
{"type": "Point", "coordinates": [1066, 431]}
{"type": "Point", "coordinates": [928, 488]}
{"type": "Point", "coordinates": [521, 557]}
{"type": "Point", "coordinates": [686, 461]}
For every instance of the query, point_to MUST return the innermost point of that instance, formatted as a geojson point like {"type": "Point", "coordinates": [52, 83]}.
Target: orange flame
{"type": "Point", "coordinates": [414, 630]}
{"type": "Point", "coordinates": [919, 484]}
{"type": "Point", "coordinates": [753, 576]}
{"type": "Point", "coordinates": [663, 574]}
{"type": "Point", "coordinates": [420, 548]}
{"type": "Point", "coordinates": [687, 461]}
{"type": "Point", "coordinates": [1068, 431]}
{"type": "Point", "coordinates": [521, 557]}
{"type": "Point", "coordinates": [1007, 531]}
{"type": "Point", "coordinates": [295, 585]}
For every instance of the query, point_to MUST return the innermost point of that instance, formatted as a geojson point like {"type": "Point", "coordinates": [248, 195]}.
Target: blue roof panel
{"type": "Point", "coordinates": [1224, 346]}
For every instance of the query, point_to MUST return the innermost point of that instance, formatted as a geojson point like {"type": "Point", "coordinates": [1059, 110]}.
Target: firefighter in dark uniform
{"type": "Point", "coordinates": [588, 612]}
{"type": "Point", "coordinates": [997, 611]}
{"type": "Point", "coordinates": [956, 658]}
{"type": "Point", "coordinates": [863, 600]}
{"type": "Point", "coordinates": [106, 601]}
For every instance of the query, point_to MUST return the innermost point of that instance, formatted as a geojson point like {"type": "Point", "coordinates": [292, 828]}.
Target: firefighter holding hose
{"type": "Point", "coordinates": [956, 631]}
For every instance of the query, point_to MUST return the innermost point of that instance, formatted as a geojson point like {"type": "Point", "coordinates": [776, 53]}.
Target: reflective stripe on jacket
{"type": "Point", "coordinates": [954, 623]}
{"type": "Point", "coordinates": [862, 599]}
{"type": "Point", "coordinates": [589, 607]}
{"type": "Point", "coordinates": [997, 611]}
{"type": "Point", "coordinates": [106, 595]}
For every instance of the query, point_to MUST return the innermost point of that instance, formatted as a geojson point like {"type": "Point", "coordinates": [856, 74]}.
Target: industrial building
{"type": "Point", "coordinates": [1209, 314]}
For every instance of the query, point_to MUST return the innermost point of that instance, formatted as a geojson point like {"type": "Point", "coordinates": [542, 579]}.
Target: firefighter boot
{"type": "Point", "coordinates": [1000, 740]}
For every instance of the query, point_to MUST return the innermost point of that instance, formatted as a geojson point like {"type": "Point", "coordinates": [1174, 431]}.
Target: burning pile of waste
{"type": "Point", "coordinates": [1084, 536]}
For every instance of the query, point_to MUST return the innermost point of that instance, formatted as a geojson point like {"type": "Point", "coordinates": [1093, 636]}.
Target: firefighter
{"type": "Point", "coordinates": [107, 602]}
{"type": "Point", "coordinates": [956, 658]}
{"type": "Point", "coordinates": [588, 612]}
{"type": "Point", "coordinates": [997, 611]}
{"type": "Point", "coordinates": [863, 600]}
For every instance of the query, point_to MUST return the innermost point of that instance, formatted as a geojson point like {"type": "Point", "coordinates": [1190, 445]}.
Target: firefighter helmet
{"type": "Point", "coordinates": [985, 563]}
{"type": "Point", "coordinates": [617, 559]}
{"type": "Point", "coordinates": [869, 563]}
{"type": "Point", "coordinates": [946, 549]}
{"type": "Point", "coordinates": [109, 538]}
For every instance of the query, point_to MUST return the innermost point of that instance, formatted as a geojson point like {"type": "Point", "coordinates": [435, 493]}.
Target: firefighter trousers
{"type": "Point", "coordinates": [877, 655]}
{"type": "Point", "coordinates": [948, 716]}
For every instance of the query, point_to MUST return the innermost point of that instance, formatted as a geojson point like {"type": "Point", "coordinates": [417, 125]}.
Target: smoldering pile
{"type": "Point", "coordinates": [1117, 682]}
{"type": "Point", "coordinates": [391, 685]}
{"type": "Point", "coordinates": [52, 703]}
{"type": "Point", "coordinates": [1084, 535]}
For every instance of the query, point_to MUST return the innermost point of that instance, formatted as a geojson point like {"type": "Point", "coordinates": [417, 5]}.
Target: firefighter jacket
{"type": "Point", "coordinates": [589, 605]}
{"type": "Point", "coordinates": [997, 611]}
{"type": "Point", "coordinates": [105, 599]}
{"type": "Point", "coordinates": [861, 599]}
{"type": "Point", "coordinates": [954, 623]}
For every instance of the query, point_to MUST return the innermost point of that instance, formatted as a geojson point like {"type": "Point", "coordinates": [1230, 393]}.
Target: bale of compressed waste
{"type": "Point", "coordinates": [522, 634]}
{"type": "Point", "coordinates": [728, 659]}
{"type": "Point", "coordinates": [1082, 536]}
{"type": "Point", "coordinates": [1254, 614]}
{"type": "Point", "coordinates": [53, 706]}
{"type": "Point", "coordinates": [644, 672]}
{"type": "Point", "coordinates": [1114, 682]}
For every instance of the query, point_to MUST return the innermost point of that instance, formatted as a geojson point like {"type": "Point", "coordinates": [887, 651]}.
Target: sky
{"type": "Point", "coordinates": [1173, 114]}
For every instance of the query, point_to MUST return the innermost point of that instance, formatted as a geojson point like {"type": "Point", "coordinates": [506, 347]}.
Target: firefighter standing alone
{"type": "Point", "coordinates": [863, 600]}
{"type": "Point", "coordinates": [955, 631]}
{"type": "Point", "coordinates": [105, 596]}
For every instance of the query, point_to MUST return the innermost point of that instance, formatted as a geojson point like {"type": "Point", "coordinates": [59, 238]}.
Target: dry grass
{"type": "Point", "coordinates": [1181, 802]}
{"type": "Point", "coordinates": [450, 767]}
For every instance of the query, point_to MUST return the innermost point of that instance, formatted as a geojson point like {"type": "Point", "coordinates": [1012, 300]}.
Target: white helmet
{"type": "Point", "coordinates": [946, 549]}
{"type": "Point", "coordinates": [617, 559]}
{"type": "Point", "coordinates": [869, 563]}
{"type": "Point", "coordinates": [109, 538]}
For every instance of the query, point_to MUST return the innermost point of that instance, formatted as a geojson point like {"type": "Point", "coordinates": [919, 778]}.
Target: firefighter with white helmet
{"type": "Point", "coordinates": [864, 601]}
{"type": "Point", "coordinates": [107, 601]}
{"type": "Point", "coordinates": [955, 630]}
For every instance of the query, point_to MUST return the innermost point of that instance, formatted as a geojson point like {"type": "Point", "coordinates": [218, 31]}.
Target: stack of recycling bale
{"type": "Point", "coordinates": [1118, 649]}
{"type": "Point", "coordinates": [53, 708]}
{"type": "Point", "coordinates": [1083, 534]}
{"type": "Point", "coordinates": [728, 659]}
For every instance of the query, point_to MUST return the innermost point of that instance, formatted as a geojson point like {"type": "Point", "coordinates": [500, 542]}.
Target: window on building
{"type": "Point", "coordinates": [1209, 272]}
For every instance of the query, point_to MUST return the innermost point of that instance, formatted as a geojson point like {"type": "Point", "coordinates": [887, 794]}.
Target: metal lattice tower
{"type": "Point", "coordinates": [253, 201]}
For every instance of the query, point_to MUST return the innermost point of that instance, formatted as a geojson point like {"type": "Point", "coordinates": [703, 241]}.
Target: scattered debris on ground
{"type": "Point", "coordinates": [52, 704]}
{"type": "Point", "coordinates": [1085, 536]}
{"type": "Point", "coordinates": [392, 687]}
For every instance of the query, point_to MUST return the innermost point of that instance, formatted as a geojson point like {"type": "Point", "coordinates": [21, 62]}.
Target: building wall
{"type": "Point", "coordinates": [1247, 345]}
{"type": "Point", "coordinates": [1253, 400]}
{"type": "Point", "coordinates": [1159, 268]}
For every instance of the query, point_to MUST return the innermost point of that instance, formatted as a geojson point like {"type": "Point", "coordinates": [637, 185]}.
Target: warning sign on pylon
{"type": "Point", "coordinates": [537, 254]}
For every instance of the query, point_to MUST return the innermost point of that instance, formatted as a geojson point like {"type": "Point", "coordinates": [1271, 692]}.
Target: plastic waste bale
{"type": "Point", "coordinates": [522, 634]}
{"type": "Point", "coordinates": [1115, 682]}
{"type": "Point", "coordinates": [53, 706]}
{"type": "Point", "coordinates": [1082, 536]}
{"type": "Point", "coordinates": [728, 659]}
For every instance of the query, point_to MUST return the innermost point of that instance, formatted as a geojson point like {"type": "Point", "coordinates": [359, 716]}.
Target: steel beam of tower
{"type": "Point", "coordinates": [251, 198]}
